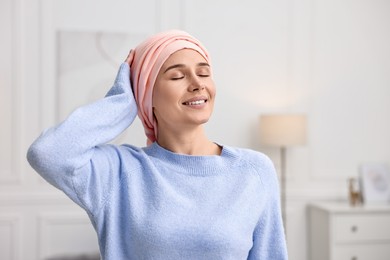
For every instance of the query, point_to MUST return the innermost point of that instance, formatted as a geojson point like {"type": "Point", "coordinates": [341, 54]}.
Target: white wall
{"type": "Point", "coordinates": [326, 58]}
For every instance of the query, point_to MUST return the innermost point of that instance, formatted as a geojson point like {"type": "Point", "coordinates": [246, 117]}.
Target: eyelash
{"type": "Point", "coordinates": [177, 78]}
{"type": "Point", "coordinates": [202, 76]}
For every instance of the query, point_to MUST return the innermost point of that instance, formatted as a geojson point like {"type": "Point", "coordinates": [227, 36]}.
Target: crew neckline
{"type": "Point", "coordinates": [194, 164]}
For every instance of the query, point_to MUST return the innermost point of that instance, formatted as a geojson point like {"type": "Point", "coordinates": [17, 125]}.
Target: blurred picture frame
{"type": "Point", "coordinates": [375, 183]}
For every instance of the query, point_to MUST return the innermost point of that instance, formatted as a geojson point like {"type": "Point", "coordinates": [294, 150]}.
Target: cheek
{"type": "Point", "coordinates": [157, 95]}
{"type": "Point", "coordinates": [212, 90]}
{"type": "Point", "coordinates": [163, 95]}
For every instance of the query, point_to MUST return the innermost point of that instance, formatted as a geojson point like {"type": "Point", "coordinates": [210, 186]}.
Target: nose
{"type": "Point", "coordinates": [196, 84]}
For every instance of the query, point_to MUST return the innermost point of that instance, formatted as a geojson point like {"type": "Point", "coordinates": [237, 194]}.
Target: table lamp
{"type": "Point", "coordinates": [282, 131]}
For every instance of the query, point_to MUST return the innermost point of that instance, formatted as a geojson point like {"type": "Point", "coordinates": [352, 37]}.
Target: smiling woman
{"type": "Point", "coordinates": [182, 196]}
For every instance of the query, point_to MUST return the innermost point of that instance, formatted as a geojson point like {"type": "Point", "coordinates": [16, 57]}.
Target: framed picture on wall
{"type": "Point", "coordinates": [375, 183]}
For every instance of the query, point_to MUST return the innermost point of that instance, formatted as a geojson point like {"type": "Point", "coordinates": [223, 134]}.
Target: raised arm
{"type": "Point", "coordinates": [70, 145]}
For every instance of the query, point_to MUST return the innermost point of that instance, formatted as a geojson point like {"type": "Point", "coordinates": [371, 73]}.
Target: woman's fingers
{"type": "Point", "coordinates": [129, 58]}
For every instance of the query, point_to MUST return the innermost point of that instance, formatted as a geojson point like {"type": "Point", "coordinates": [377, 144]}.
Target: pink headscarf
{"type": "Point", "coordinates": [146, 60]}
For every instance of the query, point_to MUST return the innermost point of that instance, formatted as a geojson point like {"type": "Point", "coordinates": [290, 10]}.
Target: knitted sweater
{"type": "Point", "coordinates": [150, 203]}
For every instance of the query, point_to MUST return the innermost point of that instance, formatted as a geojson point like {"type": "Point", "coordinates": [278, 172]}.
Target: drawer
{"type": "Point", "coordinates": [361, 252]}
{"type": "Point", "coordinates": [361, 227]}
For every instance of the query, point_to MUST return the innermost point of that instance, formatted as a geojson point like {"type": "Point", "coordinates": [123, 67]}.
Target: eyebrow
{"type": "Point", "coordinates": [200, 64]}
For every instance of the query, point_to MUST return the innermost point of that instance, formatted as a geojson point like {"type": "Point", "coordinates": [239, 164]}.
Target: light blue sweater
{"type": "Point", "coordinates": [150, 203]}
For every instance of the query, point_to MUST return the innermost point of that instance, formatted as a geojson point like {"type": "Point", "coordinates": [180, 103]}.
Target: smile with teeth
{"type": "Point", "coordinates": [194, 103]}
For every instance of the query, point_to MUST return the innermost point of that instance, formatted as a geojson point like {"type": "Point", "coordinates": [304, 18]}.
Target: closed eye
{"type": "Point", "coordinates": [177, 78]}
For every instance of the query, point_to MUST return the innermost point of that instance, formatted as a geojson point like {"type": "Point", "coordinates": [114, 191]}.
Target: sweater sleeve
{"type": "Point", "coordinates": [66, 150]}
{"type": "Point", "coordinates": [269, 238]}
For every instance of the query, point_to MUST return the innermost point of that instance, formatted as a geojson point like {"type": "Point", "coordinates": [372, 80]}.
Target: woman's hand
{"type": "Point", "coordinates": [129, 58]}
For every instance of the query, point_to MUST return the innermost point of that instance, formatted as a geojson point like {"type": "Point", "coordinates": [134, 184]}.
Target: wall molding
{"type": "Point", "coordinates": [14, 176]}
{"type": "Point", "coordinates": [13, 223]}
{"type": "Point", "coordinates": [28, 199]}
{"type": "Point", "coordinates": [48, 222]}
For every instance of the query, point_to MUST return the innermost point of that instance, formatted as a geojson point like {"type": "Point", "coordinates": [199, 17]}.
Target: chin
{"type": "Point", "coordinates": [202, 121]}
{"type": "Point", "coordinates": [199, 119]}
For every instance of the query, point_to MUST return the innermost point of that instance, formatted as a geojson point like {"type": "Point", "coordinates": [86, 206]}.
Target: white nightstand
{"type": "Point", "coordinates": [338, 231]}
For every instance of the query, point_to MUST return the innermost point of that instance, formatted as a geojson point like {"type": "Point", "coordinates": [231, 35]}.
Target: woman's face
{"type": "Point", "coordinates": [184, 91]}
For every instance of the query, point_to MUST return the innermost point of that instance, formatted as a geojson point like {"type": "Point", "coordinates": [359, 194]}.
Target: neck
{"type": "Point", "coordinates": [191, 142]}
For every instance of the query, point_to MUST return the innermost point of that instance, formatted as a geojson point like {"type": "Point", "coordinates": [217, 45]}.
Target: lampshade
{"type": "Point", "coordinates": [282, 130]}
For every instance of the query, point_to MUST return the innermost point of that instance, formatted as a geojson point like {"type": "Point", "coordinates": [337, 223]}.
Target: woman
{"type": "Point", "coordinates": [182, 196]}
